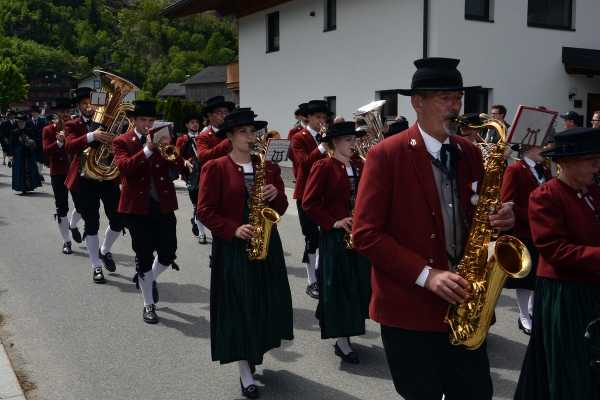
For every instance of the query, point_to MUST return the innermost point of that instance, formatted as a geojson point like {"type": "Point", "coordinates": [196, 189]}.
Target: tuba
{"type": "Point", "coordinates": [262, 218]}
{"type": "Point", "coordinates": [97, 162]}
{"type": "Point", "coordinates": [469, 322]}
{"type": "Point", "coordinates": [371, 114]}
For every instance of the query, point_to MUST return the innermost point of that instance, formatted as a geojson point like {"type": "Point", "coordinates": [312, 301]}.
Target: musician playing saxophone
{"type": "Point", "coordinates": [415, 202]}
{"type": "Point", "coordinates": [250, 306]}
{"type": "Point", "coordinates": [148, 201]}
{"type": "Point", "coordinates": [80, 133]}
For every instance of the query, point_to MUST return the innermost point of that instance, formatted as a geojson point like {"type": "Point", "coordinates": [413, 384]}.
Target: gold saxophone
{"type": "Point", "coordinates": [262, 218]}
{"type": "Point", "coordinates": [98, 162]}
{"type": "Point", "coordinates": [469, 322]}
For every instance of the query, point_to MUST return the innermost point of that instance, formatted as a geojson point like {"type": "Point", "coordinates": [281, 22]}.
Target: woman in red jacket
{"type": "Point", "coordinates": [251, 304]}
{"type": "Point", "coordinates": [343, 274]}
{"type": "Point", "coordinates": [564, 215]}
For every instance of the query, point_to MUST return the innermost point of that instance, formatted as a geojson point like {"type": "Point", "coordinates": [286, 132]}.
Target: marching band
{"type": "Point", "coordinates": [386, 228]}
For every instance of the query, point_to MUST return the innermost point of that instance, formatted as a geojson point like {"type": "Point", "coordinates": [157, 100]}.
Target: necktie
{"type": "Point", "coordinates": [143, 140]}
{"type": "Point", "coordinates": [318, 137]}
{"type": "Point", "coordinates": [446, 155]}
{"type": "Point", "coordinates": [539, 170]}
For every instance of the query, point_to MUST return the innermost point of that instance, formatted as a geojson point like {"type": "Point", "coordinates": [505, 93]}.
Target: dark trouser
{"type": "Point", "coordinates": [310, 230]}
{"type": "Point", "coordinates": [193, 198]}
{"type": "Point", "coordinates": [153, 232]}
{"type": "Point", "coordinates": [90, 194]}
{"type": "Point", "coordinates": [61, 195]}
{"type": "Point", "coordinates": [425, 366]}
{"type": "Point", "coordinates": [76, 200]}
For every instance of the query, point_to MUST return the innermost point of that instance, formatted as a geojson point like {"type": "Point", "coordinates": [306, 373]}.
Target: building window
{"type": "Point", "coordinates": [273, 32]}
{"type": "Point", "coordinates": [331, 103]}
{"type": "Point", "coordinates": [330, 15]}
{"type": "Point", "coordinates": [476, 100]}
{"type": "Point", "coordinates": [554, 14]}
{"type": "Point", "coordinates": [390, 109]}
{"type": "Point", "coordinates": [478, 10]}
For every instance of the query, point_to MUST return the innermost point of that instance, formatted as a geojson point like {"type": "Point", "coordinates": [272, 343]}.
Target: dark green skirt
{"type": "Point", "coordinates": [344, 288]}
{"type": "Point", "coordinates": [557, 362]}
{"type": "Point", "coordinates": [250, 302]}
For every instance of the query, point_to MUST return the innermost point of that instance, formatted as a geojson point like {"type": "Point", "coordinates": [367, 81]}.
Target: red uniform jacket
{"type": "Point", "coordinates": [305, 153]}
{"type": "Point", "coordinates": [398, 225]}
{"type": "Point", "coordinates": [222, 195]}
{"type": "Point", "coordinates": [136, 172]}
{"type": "Point", "coordinates": [291, 133]}
{"type": "Point", "coordinates": [566, 232]}
{"type": "Point", "coordinates": [75, 143]}
{"type": "Point", "coordinates": [189, 156]}
{"type": "Point", "coordinates": [517, 184]}
{"type": "Point", "coordinates": [57, 156]}
{"type": "Point", "coordinates": [327, 192]}
{"type": "Point", "coordinates": [210, 146]}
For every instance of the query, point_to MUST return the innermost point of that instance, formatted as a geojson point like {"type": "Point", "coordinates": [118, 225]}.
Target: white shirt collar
{"type": "Point", "coordinates": [432, 145]}
{"type": "Point", "coordinates": [85, 119]}
{"type": "Point", "coordinates": [192, 134]}
{"type": "Point", "coordinates": [139, 135]}
{"type": "Point", "coordinates": [214, 129]}
{"type": "Point", "coordinates": [529, 162]}
{"type": "Point", "coordinates": [312, 132]}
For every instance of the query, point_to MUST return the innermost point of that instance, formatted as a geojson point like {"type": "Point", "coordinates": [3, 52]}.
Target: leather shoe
{"type": "Point", "coordinates": [108, 261]}
{"type": "Point", "coordinates": [351, 358]}
{"type": "Point", "coordinates": [202, 239]}
{"type": "Point", "coordinates": [526, 331]}
{"type": "Point", "coordinates": [149, 314]}
{"type": "Point", "coordinates": [67, 248]}
{"type": "Point", "coordinates": [250, 392]}
{"type": "Point", "coordinates": [76, 235]}
{"type": "Point", "coordinates": [195, 230]}
{"type": "Point", "coordinates": [98, 275]}
{"type": "Point", "coordinates": [154, 292]}
{"type": "Point", "coordinates": [313, 290]}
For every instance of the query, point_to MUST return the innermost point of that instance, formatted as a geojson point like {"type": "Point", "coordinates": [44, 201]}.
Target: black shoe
{"type": "Point", "coordinates": [154, 292]}
{"type": "Point", "coordinates": [98, 275]}
{"type": "Point", "coordinates": [522, 327]}
{"type": "Point", "coordinates": [250, 392]}
{"type": "Point", "coordinates": [108, 261]}
{"type": "Point", "coordinates": [195, 230]}
{"type": "Point", "coordinates": [76, 235]}
{"type": "Point", "coordinates": [313, 290]}
{"type": "Point", "coordinates": [149, 314]}
{"type": "Point", "coordinates": [351, 358]}
{"type": "Point", "coordinates": [202, 239]}
{"type": "Point", "coordinates": [67, 248]}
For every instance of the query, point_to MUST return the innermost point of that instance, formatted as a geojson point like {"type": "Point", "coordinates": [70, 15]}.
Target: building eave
{"type": "Point", "coordinates": [237, 8]}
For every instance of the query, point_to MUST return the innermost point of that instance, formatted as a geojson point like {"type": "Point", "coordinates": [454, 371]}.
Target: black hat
{"type": "Point", "coordinates": [317, 106]}
{"type": "Point", "coordinates": [397, 127]}
{"type": "Point", "coordinates": [436, 74]}
{"type": "Point", "coordinates": [571, 116]}
{"type": "Point", "coordinates": [342, 129]}
{"type": "Point", "coordinates": [217, 102]}
{"type": "Point", "coordinates": [237, 118]}
{"type": "Point", "coordinates": [143, 108]}
{"type": "Point", "coordinates": [575, 142]}
{"type": "Point", "coordinates": [192, 115]}
{"type": "Point", "coordinates": [21, 116]}
{"type": "Point", "coordinates": [62, 103]}
{"type": "Point", "coordinates": [301, 110]}
{"type": "Point", "coordinates": [81, 93]}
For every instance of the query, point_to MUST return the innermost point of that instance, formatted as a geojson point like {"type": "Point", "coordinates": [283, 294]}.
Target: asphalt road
{"type": "Point", "coordinates": [78, 341]}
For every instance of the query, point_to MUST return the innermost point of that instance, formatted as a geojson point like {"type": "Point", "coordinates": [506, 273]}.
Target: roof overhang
{"type": "Point", "coordinates": [581, 61]}
{"type": "Point", "coordinates": [238, 8]}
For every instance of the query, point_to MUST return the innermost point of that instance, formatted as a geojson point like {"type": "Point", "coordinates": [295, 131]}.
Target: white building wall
{"type": "Point", "coordinates": [372, 49]}
{"type": "Point", "coordinates": [375, 44]}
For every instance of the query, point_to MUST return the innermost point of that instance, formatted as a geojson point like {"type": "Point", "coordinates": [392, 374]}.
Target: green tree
{"type": "Point", "coordinates": [13, 86]}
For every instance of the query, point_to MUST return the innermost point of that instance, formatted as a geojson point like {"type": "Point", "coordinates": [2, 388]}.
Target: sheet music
{"type": "Point", "coordinates": [277, 150]}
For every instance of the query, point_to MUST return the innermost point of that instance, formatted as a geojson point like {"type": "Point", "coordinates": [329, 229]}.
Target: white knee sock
{"type": "Point", "coordinates": [146, 287]}
{"type": "Point", "coordinates": [523, 303]}
{"type": "Point", "coordinates": [246, 374]}
{"type": "Point", "coordinates": [317, 261]}
{"type": "Point", "coordinates": [75, 218]}
{"type": "Point", "coordinates": [530, 305]}
{"type": "Point", "coordinates": [92, 243]}
{"type": "Point", "coordinates": [344, 345]}
{"type": "Point", "coordinates": [158, 268]}
{"type": "Point", "coordinates": [310, 268]}
{"type": "Point", "coordinates": [109, 239]}
{"type": "Point", "coordinates": [199, 225]}
{"type": "Point", "coordinates": [63, 227]}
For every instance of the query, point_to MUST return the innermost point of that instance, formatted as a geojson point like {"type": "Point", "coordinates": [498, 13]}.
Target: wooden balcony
{"type": "Point", "coordinates": [233, 77]}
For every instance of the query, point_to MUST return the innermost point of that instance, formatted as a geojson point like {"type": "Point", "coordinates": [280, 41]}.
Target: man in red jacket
{"type": "Point", "coordinates": [306, 150]}
{"type": "Point", "coordinates": [53, 141]}
{"type": "Point", "coordinates": [301, 121]}
{"type": "Point", "coordinates": [81, 133]}
{"type": "Point", "coordinates": [413, 212]}
{"type": "Point", "coordinates": [148, 201]}
{"type": "Point", "coordinates": [210, 146]}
